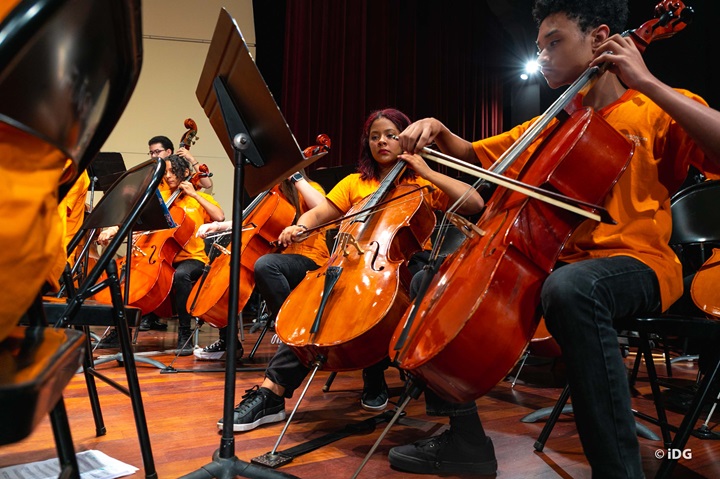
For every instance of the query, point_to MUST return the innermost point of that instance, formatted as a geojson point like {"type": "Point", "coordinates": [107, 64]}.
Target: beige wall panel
{"type": "Point", "coordinates": [176, 38]}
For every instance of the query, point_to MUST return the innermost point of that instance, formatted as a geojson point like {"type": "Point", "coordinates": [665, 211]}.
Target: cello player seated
{"type": "Point", "coordinates": [611, 271]}
{"type": "Point", "coordinates": [303, 194]}
{"type": "Point", "coordinates": [380, 152]}
{"type": "Point", "coordinates": [199, 207]}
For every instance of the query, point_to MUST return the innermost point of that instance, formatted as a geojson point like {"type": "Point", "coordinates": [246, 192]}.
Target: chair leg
{"type": "Point", "coordinates": [657, 394]}
{"type": "Point", "coordinates": [131, 373]}
{"type": "Point", "coordinates": [329, 381]}
{"type": "Point", "coordinates": [88, 364]}
{"type": "Point", "coordinates": [136, 333]}
{"type": "Point", "coordinates": [552, 419]}
{"type": "Point", "coordinates": [636, 367]}
{"type": "Point", "coordinates": [688, 423]}
{"type": "Point", "coordinates": [668, 362]}
{"type": "Point", "coordinates": [63, 441]}
{"type": "Point", "coordinates": [260, 313]}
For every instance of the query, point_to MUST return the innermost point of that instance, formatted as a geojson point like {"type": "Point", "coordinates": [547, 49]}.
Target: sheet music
{"type": "Point", "coordinates": [92, 464]}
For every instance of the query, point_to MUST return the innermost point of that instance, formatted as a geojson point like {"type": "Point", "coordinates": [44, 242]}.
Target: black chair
{"type": "Point", "coordinates": [67, 70]}
{"type": "Point", "coordinates": [696, 224]}
{"type": "Point", "coordinates": [134, 203]}
{"type": "Point", "coordinates": [38, 362]}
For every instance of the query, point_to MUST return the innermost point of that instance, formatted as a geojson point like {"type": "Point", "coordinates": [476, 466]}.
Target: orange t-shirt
{"type": "Point", "coordinates": [315, 246]}
{"type": "Point", "coordinates": [195, 247]}
{"type": "Point", "coordinates": [352, 189]}
{"type": "Point", "coordinates": [640, 200]}
{"type": "Point", "coordinates": [72, 213]}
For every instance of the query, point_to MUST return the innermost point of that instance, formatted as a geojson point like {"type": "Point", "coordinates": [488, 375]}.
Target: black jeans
{"type": "Point", "coordinates": [275, 277]}
{"type": "Point", "coordinates": [580, 302]}
{"type": "Point", "coordinates": [434, 404]}
{"type": "Point", "coordinates": [186, 273]}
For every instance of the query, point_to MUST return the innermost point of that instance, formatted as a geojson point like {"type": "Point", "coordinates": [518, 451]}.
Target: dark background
{"type": "Point", "coordinates": [507, 39]}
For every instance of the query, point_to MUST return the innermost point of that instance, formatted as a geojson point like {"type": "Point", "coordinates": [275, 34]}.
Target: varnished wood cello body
{"type": "Point", "coordinates": [151, 270]}
{"type": "Point", "coordinates": [481, 309]}
{"type": "Point", "coordinates": [263, 220]}
{"type": "Point", "coordinates": [344, 313]}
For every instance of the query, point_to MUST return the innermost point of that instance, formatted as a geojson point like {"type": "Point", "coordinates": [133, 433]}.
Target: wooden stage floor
{"type": "Point", "coordinates": [183, 407]}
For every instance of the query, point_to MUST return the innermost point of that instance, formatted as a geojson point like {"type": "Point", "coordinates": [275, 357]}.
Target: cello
{"type": "Point", "coordinates": [704, 287]}
{"type": "Point", "coordinates": [152, 255]}
{"type": "Point", "coordinates": [151, 271]}
{"type": "Point", "coordinates": [362, 282]}
{"type": "Point", "coordinates": [482, 307]}
{"type": "Point", "coordinates": [263, 220]}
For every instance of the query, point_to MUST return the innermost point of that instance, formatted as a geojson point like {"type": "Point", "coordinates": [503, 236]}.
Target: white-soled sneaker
{"type": "Point", "coordinates": [259, 406]}
{"type": "Point", "coordinates": [217, 351]}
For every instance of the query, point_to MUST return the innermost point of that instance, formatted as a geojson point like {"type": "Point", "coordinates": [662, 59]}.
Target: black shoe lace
{"type": "Point", "coordinates": [248, 396]}
{"type": "Point", "coordinates": [434, 444]}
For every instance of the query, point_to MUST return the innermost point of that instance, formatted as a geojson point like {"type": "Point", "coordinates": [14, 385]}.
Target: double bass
{"type": "Point", "coordinates": [189, 138]}
{"type": "Point", "coordinates": [481, 309]}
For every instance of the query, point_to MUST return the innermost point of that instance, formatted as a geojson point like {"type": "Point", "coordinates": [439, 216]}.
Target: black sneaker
{"type": "Point", "coordinates": [185, 342]}
{"type": "Point", "coordinates": [217, 351]}
{"type": "Point", "coordinates": [375, 391]}
{"type": "Point", "coordinates": [374, 399]}
{"type": "Point", "coordinates": [111, 340]}
{"type": "Point", "coordinates": [259, 406]}
{"type": "Point", "coordinates": [444, 454]}
{"type": "Point", "coordinates": [150, 321]}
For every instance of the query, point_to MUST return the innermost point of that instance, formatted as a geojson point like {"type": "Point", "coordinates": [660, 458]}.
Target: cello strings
{"type": "Point", "coordinates": [375, 210]}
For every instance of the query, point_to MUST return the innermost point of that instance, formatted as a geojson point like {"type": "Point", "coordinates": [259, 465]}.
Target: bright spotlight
{"type": "Point", "coordinates": [524, 76]}
{"type": "Point", "coordinates": [531, 67]}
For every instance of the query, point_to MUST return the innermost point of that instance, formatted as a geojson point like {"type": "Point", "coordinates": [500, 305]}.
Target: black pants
{"type": "Point", "coordinates": [186, 274]}
{"type": "Point", "coordinates": [276, 275]}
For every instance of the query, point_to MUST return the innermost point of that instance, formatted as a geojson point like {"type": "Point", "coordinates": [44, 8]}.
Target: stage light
{"type": "Point", "coordinates": [531, 67]}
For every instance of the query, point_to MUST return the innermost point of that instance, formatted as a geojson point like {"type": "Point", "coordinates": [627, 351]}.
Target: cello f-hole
{"type": "Point", "coordinates": [152, 259]}
{"type": "Point", "coordinates": [376, 251]}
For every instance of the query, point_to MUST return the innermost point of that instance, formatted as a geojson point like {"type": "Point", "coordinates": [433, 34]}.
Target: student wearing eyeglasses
{"type": "Point", "coordinates": [162, 147]}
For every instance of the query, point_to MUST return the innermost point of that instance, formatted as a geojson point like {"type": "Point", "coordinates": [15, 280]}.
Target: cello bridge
{"type": "Point", "coordinates": [345, 240]}
{"type": "Point", "coordinates": [221, 248]}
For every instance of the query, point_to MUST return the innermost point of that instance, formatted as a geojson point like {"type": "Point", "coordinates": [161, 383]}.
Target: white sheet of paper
{"type": "Point", "coordinates": [92, 464]}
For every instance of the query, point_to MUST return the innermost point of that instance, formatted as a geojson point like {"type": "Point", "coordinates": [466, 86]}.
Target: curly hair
{"type": "Point", "coordinates": [367, 166]}
{"type": "Point", "coordinates": [588, 13]}
{"type": "Point", "coordinates": [178, 165]}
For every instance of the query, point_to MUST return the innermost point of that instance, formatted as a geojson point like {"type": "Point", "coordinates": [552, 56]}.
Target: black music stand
{"type": "Point", "coordinates": [105, 169]}
{"type": "Point", "coordinates": [133, 202]}
{"type": "Point", "coordinates": [154, 216]}
{"type": "Point", "coordinates": [253, 131]}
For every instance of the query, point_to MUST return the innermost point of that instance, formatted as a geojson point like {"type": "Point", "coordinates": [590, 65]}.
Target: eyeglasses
{"type": "Point", "coordinates": [155, 152]}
